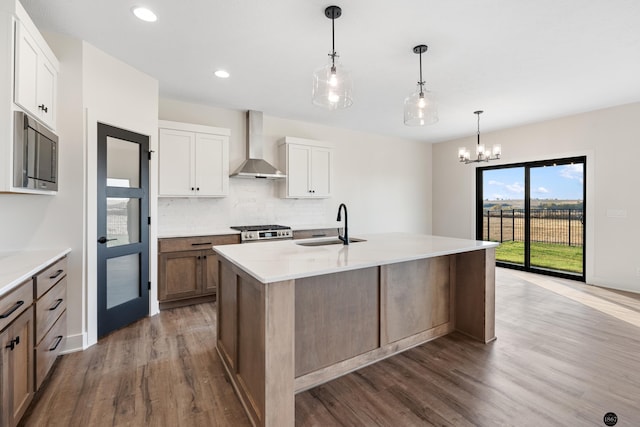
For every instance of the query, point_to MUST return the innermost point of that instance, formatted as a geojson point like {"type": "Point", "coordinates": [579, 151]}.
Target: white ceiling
{"type": "Point", "coordinates": [519, 61]}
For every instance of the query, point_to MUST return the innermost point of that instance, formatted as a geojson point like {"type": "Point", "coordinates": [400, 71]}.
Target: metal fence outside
{"type": "Point", "coordinates": [557, 226]}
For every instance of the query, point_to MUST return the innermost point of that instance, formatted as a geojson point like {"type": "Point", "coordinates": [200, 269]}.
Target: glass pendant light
{"type": "Point", "coordinates": [332, 86]}
{"type": "Point", "coordinates": [420, 109]}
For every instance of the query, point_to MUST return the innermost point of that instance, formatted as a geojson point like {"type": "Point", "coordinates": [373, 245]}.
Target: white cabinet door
{"type": "Point", "coordinates": [308, 169]}
{"type": "Point", "coordinates": [176, 172]}
{"type": "Point", "coordinates": [26, 72]}
{"type": "Point", "coordinates": [192, 164]}
{"type": "Point", "coordinates": [298, 171]}
{"type": "Point", "coordinates": [47, 79]}
{"type": "Point", "coordinates": [212, 174]}
{"type": "Point", "coordinates": [321, 171]}
{"type": "Point", "coordinates": [35, 78]}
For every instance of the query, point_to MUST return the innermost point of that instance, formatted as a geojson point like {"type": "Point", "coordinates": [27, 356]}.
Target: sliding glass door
{"type": "Point", "coordinates": [536, 211]}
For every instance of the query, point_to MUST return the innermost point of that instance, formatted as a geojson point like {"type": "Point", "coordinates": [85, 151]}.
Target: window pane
{"type": "Point", "coordinates": [556, 217]}
{"type": "Point", "coordinates": [503, 212]}
{"type": "Point", "coordinates": [123, 163]}
{"type": "Point", "coordinates": [123, 221]}
{"type": "Point", "coordinates": [123, 279]}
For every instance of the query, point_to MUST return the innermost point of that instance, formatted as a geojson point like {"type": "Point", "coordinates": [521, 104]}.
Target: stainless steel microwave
{"type": "Point", "coordinates": [35, 154]}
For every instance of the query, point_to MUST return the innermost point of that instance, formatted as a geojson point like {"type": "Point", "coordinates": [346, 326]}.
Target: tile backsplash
{"type": "Point", "coordinates": [250, 201]}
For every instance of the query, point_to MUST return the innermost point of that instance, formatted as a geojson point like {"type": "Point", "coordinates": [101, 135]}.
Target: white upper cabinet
{"type": "Point", "coordinates": [308, 166]}
{"type": "Point", "coordinates": [36, 75]}
{"type": "Point", "coordinates": [193, 160]}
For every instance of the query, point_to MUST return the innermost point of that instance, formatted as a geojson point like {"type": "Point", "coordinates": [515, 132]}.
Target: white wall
{"type": "Point", "coordinates": [384, 181]}
{"type": "Point", "coordinates": [92, 87]}
{"type": "Point", "coordinates": [610, 139]}
{"type": "Point", "coordinates": [114, 93]}
{"type": "Point", "coordinates": [37, 221]}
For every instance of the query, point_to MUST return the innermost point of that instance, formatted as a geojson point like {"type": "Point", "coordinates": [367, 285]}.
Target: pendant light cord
{"type": "Point", "coordinates": [333, 44]}
{"type": "Point", "coordinates": [421, 83]}
{"type": "Point", "coordinates": [478, 128]}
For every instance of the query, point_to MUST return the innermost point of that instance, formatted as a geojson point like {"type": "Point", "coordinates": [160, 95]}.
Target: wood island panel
{"type": "Point", "coordinates": [475, 294]}
{"type": "Point", "coordinates": [279, 405]}
{"type": "Point", "coordinates": [336, 317]}
{"type": "Point", "coordinates": [228, 315]}
{"type": "Point", "coordinates": [251, 340]}
{"type": "Point", "coordinates": [415, 297]}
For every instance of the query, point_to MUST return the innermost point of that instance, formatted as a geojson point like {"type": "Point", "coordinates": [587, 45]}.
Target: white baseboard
{"type": "Point", "coordinates": [75, 343]}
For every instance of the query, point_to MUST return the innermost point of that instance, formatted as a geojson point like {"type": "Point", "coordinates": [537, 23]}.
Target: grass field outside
{"type": "Point", "coordinates": [544, 255]}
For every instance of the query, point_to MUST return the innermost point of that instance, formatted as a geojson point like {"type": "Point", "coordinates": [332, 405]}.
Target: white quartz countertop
{"type": "Point", "coordinates": [16, 267]}
{"type": "Point", "coordinates": [285, 260]}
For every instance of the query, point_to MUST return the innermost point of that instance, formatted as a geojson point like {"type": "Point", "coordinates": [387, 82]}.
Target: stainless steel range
{"type": "Point", "coordinates": [261, 233]}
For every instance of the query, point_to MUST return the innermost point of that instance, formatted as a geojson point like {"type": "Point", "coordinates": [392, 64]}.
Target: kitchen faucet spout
{"type": "Point", "coordinates": [345, 238]}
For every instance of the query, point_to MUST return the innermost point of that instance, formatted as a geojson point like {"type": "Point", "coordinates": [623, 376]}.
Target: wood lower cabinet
{"type": "Point", "coordinates": [33, 327]}
{"type": "Point", "coordinates": [17, 368]}
{"type": "Point", "coordinates": [188, 269]}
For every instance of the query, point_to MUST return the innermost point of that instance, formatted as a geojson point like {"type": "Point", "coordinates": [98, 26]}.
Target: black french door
{"type": "Point", "coordinates": [123, 227]}
{"type": "Point", "coordinates": [536, 210]}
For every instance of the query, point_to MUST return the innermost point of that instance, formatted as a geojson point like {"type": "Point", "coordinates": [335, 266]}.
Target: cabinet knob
{"type": "Point", "coordinates": [197, 188]}
{"type": "Point", "coordinates": [43, 108]}
{"type": "Point", "coordinates": [192, 188]}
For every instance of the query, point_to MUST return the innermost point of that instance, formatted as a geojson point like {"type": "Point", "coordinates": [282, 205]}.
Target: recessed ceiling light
{"type": "Point", "coordinates": [144, 14]}
{"type": "Point", "coordinates": [222, 74]}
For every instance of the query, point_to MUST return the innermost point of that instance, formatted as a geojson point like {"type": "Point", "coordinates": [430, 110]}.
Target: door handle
{"type": "Point", "coordinates": [104, 240]}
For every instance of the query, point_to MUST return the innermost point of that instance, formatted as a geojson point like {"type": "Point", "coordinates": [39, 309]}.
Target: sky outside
{"type": "Point", "coordinates": [563, 182]}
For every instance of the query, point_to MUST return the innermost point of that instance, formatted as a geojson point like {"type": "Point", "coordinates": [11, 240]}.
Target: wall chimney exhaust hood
{"type": "Point", "coordinates": [255, 166]}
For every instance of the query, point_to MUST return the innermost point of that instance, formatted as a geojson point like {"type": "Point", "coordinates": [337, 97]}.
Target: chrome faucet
{"type": "Point", "coordinates": [345, 238]}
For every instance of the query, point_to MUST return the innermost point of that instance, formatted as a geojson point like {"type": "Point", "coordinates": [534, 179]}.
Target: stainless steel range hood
{"type": "Point", "coordinates": [255, 166]}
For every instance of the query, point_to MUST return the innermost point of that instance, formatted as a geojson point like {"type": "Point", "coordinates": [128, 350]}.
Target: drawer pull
{"type": "Point", "coordinates": [319, 235]}
{"type": "Point", "coordinates": [58, 302]}
{"type": "Point", "coordinates": [58, 341]}
{"type": "Point", "coordinates": [201, 244]}
{"type": "Point", "coordinates": [59, 272]}
{"type": "Point", "coordinates": [11, 310]}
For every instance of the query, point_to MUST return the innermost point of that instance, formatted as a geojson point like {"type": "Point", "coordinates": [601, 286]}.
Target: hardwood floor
{"type": "Point", "coordinates": [566, 354]}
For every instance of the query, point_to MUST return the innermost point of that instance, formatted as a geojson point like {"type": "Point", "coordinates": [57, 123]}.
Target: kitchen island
{"type": "Point", "coordinates": [294, 314]}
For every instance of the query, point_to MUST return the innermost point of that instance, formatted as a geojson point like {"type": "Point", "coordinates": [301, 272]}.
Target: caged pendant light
{"type": "Point", "coordinates": [332, 85]}
{"type": "Point", "coordinates": [482, 155]}
{"type": "Point", "coordinates": [419, 109]}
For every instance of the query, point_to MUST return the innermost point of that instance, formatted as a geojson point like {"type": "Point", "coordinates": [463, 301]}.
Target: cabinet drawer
{"type": "Point", "coordinates": [195, 243]}
{"type": "Point", "coordinates": [50, 307]}
{"type": "Point", "coordinates": [49, 277]}
{"type": "Point", "coordinates": [15, 302]}
{"type": "Point", "coordinates": [49, 348]}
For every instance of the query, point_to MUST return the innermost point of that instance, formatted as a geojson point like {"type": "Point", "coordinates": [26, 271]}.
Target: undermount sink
{"type": "Point", "coordinates": [335, 241]}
